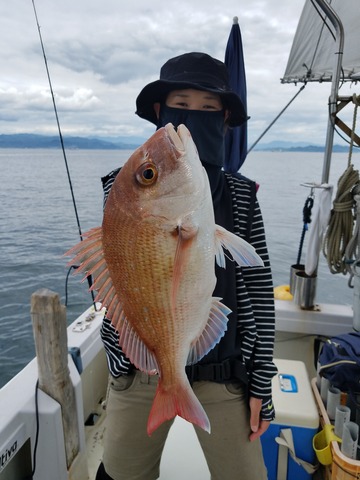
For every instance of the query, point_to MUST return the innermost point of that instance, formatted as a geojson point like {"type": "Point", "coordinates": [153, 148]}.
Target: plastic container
{"type": "Point", "coordinates": [295, 410]}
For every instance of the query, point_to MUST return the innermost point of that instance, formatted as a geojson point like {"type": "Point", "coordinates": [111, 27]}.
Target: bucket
{"type": "Point", "coordinates": [297, 267]}
{"type": "Point", "coordinates": [305, 290]}
{"type": "Point", "coordinates": [322, 444]}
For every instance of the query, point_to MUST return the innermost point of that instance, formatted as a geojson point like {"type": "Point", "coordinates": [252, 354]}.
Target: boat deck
{"type": "Point", "coordinates": [173, 466]}
{"type": "Point", "coordinates": [182, 442]}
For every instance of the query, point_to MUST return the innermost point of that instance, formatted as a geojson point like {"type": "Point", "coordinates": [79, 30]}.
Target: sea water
{"type": "Point", "coordinates": [38, 224]}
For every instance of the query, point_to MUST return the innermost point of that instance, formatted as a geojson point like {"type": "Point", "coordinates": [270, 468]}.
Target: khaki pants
{"type": "Point", "coordinates": [130, 454]}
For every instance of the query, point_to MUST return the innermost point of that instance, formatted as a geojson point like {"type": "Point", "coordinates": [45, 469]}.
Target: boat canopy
{"type": "Point", "coordinates": [312, 54]}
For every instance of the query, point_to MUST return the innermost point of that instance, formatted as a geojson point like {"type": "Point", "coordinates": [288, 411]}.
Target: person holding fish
{"type": "Point", "coordinates": [183, 335]}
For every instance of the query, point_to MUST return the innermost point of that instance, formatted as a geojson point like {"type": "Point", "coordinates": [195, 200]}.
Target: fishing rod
{"type": "Point", "coordinates": [62, 147]}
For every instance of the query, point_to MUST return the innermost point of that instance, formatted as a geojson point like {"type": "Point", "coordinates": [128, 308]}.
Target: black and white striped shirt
{"type": "Point", "coordinates": [254, 287]}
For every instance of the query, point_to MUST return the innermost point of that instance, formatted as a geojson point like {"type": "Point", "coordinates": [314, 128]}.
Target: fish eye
{"type": "Point", "coordinates": [146, 174]}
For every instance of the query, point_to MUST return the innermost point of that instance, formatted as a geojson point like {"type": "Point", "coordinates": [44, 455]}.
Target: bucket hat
{"type": "Point", "coordinates": [191, 70]}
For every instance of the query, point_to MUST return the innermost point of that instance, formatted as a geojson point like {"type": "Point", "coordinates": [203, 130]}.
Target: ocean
{"type": "Point", "coordinates": [38, 224]}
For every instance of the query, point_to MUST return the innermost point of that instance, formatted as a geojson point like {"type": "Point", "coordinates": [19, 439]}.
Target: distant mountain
{"type": "Point", "coordinates": [28, 140]}
{"type": "Point", "coordinates": [280, 146]}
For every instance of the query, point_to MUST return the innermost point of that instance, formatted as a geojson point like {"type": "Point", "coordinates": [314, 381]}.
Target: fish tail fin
{"type": "Point", "coordinates": [180, 401]}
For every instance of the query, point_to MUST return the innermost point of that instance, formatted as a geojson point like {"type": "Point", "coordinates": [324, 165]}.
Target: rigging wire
{"type": "Point", "coordinates": [62, 143]}
{"type": "Point", "coordinates": [323, 18]}
{"type": "Point", "coordinates": [276, 118]}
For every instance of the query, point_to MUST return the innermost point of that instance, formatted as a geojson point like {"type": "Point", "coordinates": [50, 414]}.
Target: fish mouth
{"type": "Point", "coordinates": [176, 136]}
{"type": "Point", "coordinates": [183, 141]}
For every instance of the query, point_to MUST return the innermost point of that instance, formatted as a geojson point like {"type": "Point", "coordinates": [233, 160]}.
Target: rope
{"type": "Point", "coordinates": [341, 222]}
{"type": "Point", "coordinates": [356, 101]}
{"type": "Point", "coordinates": [309, 203]}
{"type": "Point", "coordinates": [352, 252]}
{"type": "Point", "coordinates": [339, 233]}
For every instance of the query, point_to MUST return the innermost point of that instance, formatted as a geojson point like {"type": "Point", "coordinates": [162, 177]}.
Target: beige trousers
{"type": "Point", "coordinates": [130, 454]}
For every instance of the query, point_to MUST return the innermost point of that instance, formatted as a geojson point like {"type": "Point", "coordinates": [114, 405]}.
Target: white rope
{"type": "Point", "coordinates": [356, 102]}
{"type": "Point", "coordinates": [339, 231]}
{"type": "Point", "coordinates": [339, 234]}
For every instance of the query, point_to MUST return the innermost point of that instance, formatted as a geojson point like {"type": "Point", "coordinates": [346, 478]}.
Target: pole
{"type": "Point", "coordinates": [49, 326]}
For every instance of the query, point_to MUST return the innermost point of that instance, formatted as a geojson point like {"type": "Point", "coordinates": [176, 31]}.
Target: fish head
{"type": "Point", "coordinates": [164, 177]}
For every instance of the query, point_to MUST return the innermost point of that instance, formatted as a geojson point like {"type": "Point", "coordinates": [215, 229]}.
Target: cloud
{"type": "Point", "coordinates": [101, 54]}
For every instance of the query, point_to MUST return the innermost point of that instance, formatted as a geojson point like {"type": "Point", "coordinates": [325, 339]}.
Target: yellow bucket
{"type": "Point", "coordinates": [321, 444]}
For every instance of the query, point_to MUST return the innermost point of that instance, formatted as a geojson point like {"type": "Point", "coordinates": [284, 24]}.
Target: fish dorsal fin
{"type": "Point", "coordinates": [241, 251]}
{"type": "Point", "coordinates": [89, 254]}
{"type": "Point", "coordinates": [212, 333]}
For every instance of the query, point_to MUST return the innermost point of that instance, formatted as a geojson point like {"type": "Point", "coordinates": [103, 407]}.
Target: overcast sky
{"type": "Point", "coordinates": [102, 52]}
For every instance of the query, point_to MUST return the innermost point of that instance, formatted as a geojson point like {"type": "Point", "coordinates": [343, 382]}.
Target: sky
{"type": "Point", "coordinates": [101, 53]}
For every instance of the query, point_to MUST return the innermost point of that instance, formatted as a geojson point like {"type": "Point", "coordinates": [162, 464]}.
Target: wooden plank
{"type": "Point", "coordinates": [49, 326]}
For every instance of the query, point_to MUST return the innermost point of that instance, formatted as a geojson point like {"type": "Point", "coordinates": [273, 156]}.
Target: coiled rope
{"type": "Point", "coordinates": [340, 229]}
{"type": "Point", "coordinates": [352, 252]}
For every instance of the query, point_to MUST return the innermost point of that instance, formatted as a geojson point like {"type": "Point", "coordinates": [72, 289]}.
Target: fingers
{"type": "Point", "coordinates": [264, 425]}
{"type": "Point", "coordinates": [257, 426]}
{"type": "Point", "coordinates": [255, 409]}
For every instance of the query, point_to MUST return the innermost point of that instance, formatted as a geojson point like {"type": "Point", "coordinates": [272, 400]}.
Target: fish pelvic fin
{"type": "Point", "coordinates": [179, 400]}
{"type": "Point", "coordinates": [241, 251]}
{"type": "Point", "coordinates": [212, 333]}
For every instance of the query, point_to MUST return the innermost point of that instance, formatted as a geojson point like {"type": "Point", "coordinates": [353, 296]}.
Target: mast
{"type": "Point", "coordinates": [335, 20]}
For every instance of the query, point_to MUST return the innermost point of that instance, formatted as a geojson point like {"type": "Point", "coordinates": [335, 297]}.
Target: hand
{"type": "Point", "coordinates": [258, 426]}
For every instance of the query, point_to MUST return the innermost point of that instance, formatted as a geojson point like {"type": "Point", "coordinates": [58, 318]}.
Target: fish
{"type": "Point", "coordinates": [153, 267]}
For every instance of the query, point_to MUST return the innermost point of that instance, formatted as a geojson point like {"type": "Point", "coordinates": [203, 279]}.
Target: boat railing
{"type": "Point", "coordinates": [32, 428]}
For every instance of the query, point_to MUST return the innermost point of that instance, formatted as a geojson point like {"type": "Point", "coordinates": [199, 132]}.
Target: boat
{"type": "Point", "coordinates": [36, 442]}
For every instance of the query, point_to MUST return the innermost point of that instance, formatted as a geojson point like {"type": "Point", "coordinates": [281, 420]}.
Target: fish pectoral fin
{"type": "Point", "coordinates": [212, 333]}
{"type": "Point", "coordinates": [241, 251]}
{"type": "Point", "coordinates": [186, 231]}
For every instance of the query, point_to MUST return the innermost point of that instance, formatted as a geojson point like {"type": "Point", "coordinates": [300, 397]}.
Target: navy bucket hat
{"type": "Point", "coordinates": [191, 70]}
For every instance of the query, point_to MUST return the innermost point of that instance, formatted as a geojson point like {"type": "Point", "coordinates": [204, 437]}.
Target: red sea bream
{"type": "Point", "coordinates": [152, 262]}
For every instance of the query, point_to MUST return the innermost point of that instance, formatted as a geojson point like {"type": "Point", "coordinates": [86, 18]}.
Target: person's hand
{"type": "Point", "coordinates": [258, 426]}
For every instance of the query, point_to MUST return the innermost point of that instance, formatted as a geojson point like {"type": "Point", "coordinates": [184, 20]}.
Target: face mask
{"type": "Point", "coordinates": [206, 128]}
